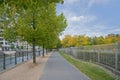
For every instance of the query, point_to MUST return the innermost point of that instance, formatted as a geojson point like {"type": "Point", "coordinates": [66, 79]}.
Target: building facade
{"type": "Point", "coordinates": [4, 45]}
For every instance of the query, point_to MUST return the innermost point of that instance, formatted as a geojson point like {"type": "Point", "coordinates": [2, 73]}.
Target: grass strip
{"type": "Point", "coordinates": [91, 70]}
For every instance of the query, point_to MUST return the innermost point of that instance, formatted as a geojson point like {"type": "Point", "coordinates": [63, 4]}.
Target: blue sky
{"type": "Point", "coordinates": [91, 17]}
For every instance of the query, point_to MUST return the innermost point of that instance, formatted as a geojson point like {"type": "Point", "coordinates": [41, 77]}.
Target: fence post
{"type": "Point", "coordinates": [39, 52]}
{"type": "Point", "coordinates": [70, 53]}
{"type": "Point", "coordinates": [10, 58]}
{"type": "Point", "coordinates": [98, 56]}
{"type": "Point", "coordinates": [15, 58]}
{"type": "Point", "coordinates": [4, 60]}
{"type": "Point", "coordinates": [116, 56]}
{"type": "Point", "coordinates": [116, 59]}
{"type": "Point", "coordinates": [84, 56]}
{"type": "Point", "coordinates": [27, 51]}
{"type": "Point", "coordinates": [19, 55]}
{"type": "Point", "coordinates": [22, 57]}
{"type": "Point", "coordinates": [27, 54]}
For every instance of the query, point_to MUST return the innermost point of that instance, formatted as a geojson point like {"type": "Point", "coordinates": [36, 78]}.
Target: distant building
{"type": "Point", "coordinates": [4, 45]}
{"type": "Point", "coordinates": [18, 45]}
{"type": "Point", "coordinates": [23, 45]}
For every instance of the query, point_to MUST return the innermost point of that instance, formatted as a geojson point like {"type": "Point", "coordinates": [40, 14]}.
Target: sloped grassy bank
{"type": "Point", "coordinates": [91, 70]}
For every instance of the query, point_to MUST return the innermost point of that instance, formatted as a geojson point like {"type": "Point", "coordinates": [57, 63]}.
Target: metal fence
{"type": "Point", "coordinates": [8, 60]}
{"type": "Point", "coordinates": [105, 55]}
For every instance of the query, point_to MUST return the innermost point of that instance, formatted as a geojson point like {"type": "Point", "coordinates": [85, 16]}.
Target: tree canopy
{"type": "Point", "coordinates": [82, 40]}
{"type": "Point", "coordinates": [34, 21]}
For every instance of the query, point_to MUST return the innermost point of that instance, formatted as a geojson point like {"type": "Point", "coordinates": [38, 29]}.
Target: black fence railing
{"type": "Point", "coordinates": [10, 59]}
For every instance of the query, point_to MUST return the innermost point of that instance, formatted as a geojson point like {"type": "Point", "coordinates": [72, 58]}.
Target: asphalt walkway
{"type": "Point", "coordinates": [57, 68]}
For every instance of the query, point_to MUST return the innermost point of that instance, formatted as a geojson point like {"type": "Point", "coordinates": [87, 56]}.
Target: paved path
{"type": "Point", "coordinates": [57, 68]}
{"type": "Point", "coordinates": [26, 70]}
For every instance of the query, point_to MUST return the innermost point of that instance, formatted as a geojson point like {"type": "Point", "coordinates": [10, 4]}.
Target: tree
{"type": "Point", "coordinates": [43, 20]}
{"type": "Point", "coordinates": [100, 40]}
{"type": "Point", "coordinates": [112, 38]}
{"type": "Point", "coordinates": [10, 34]}
{"type": "Point", "coordinates": [82, 40]}
{"type": "Point", "coordinates": [35, 19]}
{"type": "Point", "coordinates": [65, 41]}
{"type": "Point", "coordinates": [94, 41]}
{"type": "Point", "coordinates": [8, 20]}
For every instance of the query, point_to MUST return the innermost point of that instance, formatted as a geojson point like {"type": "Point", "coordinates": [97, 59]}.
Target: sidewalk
{"type": "Point", "coordinates": [57, 68]}
{"type": "Point", "coordinates": [53, 68]}
{"type": "Point", "coordinates": [26, 70]}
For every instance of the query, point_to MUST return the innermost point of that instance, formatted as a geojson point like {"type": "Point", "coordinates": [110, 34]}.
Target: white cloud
{"type": "Point", "coordinates": [77, 18]}
{"type": "Point", "coordinates": [84, 29]}
{"type": "Point", "coordinates": [114, 29]}
{"type": "Point", "coordinates": [70, 1]}
{"type": "Point", "coordinates": [92, 2]}
{"type": "Point", "coordinates": [82, 19]}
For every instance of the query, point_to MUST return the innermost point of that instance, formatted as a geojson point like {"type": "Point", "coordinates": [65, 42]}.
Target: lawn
{"type": "Point", "coordinates": [93, 71]}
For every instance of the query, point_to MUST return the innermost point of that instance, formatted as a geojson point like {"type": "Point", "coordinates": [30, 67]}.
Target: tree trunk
{"type": "Point", "coordinates": [34, 27]}
{"type": "Point", "coordinates": [34, 55]}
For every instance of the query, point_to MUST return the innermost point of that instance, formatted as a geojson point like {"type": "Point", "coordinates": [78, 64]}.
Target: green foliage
{"type": "Point", "coordinates": [37, 20]}
{"type": "Point", "coordinates": [34, 21]}
{"type": "Point", "coordinates": [10, 33]}
{"type": "Point", "coordinates": [12, 46]}
{"type": "Point", "coordinates": [82, 40]}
